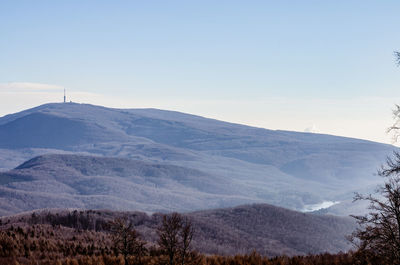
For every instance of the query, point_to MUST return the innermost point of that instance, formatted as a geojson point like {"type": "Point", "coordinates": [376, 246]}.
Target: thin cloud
{"type": "Point", "coordinates": [28, 87]}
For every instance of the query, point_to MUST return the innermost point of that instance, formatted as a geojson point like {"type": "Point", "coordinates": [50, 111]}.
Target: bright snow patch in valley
{"type": "Point", "coordinates": [319, 206]}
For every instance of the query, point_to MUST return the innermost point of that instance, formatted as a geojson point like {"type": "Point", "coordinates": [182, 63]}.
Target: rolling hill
{"type": "Point", "coordinates": [191, 162]}
{"type": "Point", "coordinates": [65, 181]}
{"type": "Point", "coordinates": [269, 230]}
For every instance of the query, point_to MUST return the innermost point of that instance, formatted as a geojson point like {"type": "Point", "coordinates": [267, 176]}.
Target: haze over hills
{"type": "Point", "coordinates": [265, 228]}
{"type": "Point", "coordinates": [191, 162]}
{"type": "Point", "coordinates": [76, 181]}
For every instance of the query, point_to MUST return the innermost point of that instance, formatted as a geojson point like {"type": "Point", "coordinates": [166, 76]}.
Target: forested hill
{"type": "Point", "coordinates": [247, 164]}
{"type": "Point", "coordinates": [267, 229]}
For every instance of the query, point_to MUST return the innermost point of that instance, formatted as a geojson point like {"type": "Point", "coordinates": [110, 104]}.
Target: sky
{"type": "Point", "coordinates": [314, 66]}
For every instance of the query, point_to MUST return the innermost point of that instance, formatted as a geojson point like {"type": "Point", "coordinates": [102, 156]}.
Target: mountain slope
{"type": "Point", "coordinates": [265, 228]}
{"type": "Point", "coordinates": [115, 183]}
{"type": "Point", "coordinates": [255, 165]}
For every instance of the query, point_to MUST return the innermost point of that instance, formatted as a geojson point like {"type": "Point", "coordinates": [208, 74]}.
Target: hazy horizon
{"type": "Point", "coordinates": [311, 129]}
{"type": "Point", "coordinates": [310, 66]}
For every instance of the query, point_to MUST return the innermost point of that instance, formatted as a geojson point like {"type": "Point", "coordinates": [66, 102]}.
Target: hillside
{"type": "Point", "coordinates": [65, 181]}
{"type": "Point", "coordinates": [283, 168]}
{"type": "Point", "coordinates": [267, 229]}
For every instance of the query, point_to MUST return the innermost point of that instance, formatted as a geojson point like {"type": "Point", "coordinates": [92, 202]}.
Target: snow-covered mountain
{"type": "Point", "coordinates": [204, 163]}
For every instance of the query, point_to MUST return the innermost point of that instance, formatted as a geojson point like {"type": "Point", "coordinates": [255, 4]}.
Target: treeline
{"type": "Point", "coordinates": [271, 231]}
{"type": "Point", "coordinates": [117, 242]}
{"type": "Point", "coordinates": [253, 259]}
{"type": "Point", "coordinates": [45, 244]}
{"type": "Point", "coordinates": [77, 219]}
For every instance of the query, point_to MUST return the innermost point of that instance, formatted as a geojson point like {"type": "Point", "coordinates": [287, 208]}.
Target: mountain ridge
{"type": "Point", "coordinates": [162, 114]}
{"type": "Point", "coordinates": [283, 168]}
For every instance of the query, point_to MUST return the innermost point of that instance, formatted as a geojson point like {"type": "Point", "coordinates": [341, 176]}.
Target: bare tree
{"type": "Point", "coordinates": [378, 234]}
{"type": "Point", "coordinates": [395, 128]}
{"type": "Point", "coordinates": [127, 240]}
{"type": "Point", "coordinates": [175, 237]}
{"type": "Point", "coordinates": [168, 234]}
{"type": "Point", "coordinates": [187, 232]}
{"type": "Point", "coordinates": [140, 251]}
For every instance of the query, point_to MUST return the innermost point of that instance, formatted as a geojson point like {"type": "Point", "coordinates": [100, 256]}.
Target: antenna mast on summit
{"type": "Point", "coordinates": [64, 96]}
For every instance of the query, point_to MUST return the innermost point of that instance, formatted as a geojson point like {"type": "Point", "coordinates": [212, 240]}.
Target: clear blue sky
{"type": "Point", "coordinates": [275, 64]}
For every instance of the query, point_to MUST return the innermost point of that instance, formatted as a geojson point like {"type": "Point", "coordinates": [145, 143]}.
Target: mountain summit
{"type": "Point", "coordinates": [203, 163]}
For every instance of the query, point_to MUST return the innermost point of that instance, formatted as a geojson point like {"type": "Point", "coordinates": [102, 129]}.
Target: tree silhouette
{"type": "Point", "coordinates": [168, 234]}
{"type": "Point", "coordinates": [126, 239]}
{"type": "Point", "coordinates": [378, 235]}
{"type": "Point", "coordinates": [379, 230]}
{"type": "Point", "coordinates": [186, 233]}
{"type": "Point", "coordinates": [175, 237]}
